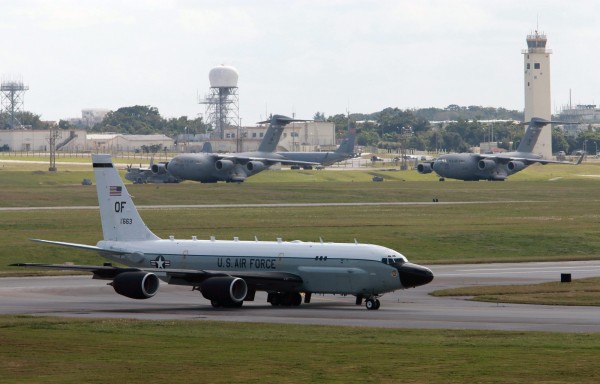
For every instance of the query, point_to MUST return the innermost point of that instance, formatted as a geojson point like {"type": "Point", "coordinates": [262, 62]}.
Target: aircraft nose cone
{"type": "Point", "coordinates": [413, 275]}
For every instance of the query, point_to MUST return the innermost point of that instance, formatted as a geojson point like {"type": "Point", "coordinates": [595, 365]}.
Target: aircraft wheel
{"type": "Point", "coordinates": [371, 304]}
{"type": "Point", "coordinates": [296, 299]}
{"type": "Point", "coordinates": [377, 304]}
{"type": "Point", "coordinates": [442, 179]}
{"type": "Point", "coordinates": [215, 303]}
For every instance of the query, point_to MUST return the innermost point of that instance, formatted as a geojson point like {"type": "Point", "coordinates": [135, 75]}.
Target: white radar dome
{"type": "Point", "coordinates": [223, 77]}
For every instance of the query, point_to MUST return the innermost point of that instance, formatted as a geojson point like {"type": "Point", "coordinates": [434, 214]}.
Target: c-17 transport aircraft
{"type": "Point", "coordinates": [229, 272]}
{"type": "Point", "coordinates": [344, 151]}
{"type": "Point", "coordinates": [495, 167]}
{"type": "Point", "coordinates": [234, 167]}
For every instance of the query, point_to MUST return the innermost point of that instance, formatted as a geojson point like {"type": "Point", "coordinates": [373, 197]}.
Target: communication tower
{"type": "Point", "coordinates": [537, 88]}
{"type": "Point", "coordinates": [13, 93]}
{"type": "Point", "coordinates": [222, 102]}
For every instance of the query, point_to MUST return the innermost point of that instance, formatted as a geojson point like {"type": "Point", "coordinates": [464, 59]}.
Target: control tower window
{"type": "Point", "coordinates": [536, 65]}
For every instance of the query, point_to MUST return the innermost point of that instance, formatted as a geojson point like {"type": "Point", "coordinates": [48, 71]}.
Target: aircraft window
{"type": "Point", "coordinates": [384, 260]}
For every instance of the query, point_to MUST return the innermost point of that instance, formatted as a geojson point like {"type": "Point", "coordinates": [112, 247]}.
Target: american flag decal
{"type": "Point", "coordinates": [115, 191]}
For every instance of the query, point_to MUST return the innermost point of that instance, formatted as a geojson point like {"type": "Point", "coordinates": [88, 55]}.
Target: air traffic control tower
{"type": "Point", "coordinates": [537, 88]}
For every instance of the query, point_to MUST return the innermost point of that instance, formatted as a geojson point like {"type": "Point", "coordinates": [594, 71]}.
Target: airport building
{"type": "Point", "coordinates": [117, 142]}
{"type": "Point", "coordinates": [39, 140]}
{"type": "Point", "coordinates": [537, 88]}
{"type": "Point", "coordinates": [296, 137]}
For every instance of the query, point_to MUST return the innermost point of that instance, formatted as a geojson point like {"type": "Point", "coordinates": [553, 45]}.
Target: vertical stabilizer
{"type": "Point", "coordinates": [347, 145]}
{"type": "Point", "coordinates": [120, 219]}
{"type": "Point", "coordinates": [532, 134]}
{"type": "Point", "coordinates": [276, 125]}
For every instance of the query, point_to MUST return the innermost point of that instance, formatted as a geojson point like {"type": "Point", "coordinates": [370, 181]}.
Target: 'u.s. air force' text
{"type": "Point", "coordinates": [244, 263]}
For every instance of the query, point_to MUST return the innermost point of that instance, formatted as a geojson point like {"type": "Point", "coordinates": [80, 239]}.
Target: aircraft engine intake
{"type": "Point", "coordinates": [224, 165]}
{"type": "Point", "coordinates": [136, 285]}
{"type": "Point", "coordinates": [224, 289]}
{"type": "Point", "coordinates": [515, 166]}
{"type": "Point", "coordinates": [255, 166]}
{"type": "Point", "coordinates": [159, 169]}
{"type": "Point", "coordinates": [425, 167]}
{"type": "Point", "coordinates": [486, 164]}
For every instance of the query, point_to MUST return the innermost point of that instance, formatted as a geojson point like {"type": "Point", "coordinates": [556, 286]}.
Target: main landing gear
{"type": "Point", "coordinates": [286, 299]}
{"type": "Point", "coordinates": [371, 303]}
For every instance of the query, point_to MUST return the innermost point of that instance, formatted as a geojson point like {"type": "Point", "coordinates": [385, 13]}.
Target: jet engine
{"type": "Point", "coordinates": [486, 164]}
{"type": "Point", "coordinates": [425, 167]}
{"type": "Point", "coordinates": [159, 169]}
{"type": "Point", "coordinates": [255, 166]}
{"type": "Point", "coordinates": [515, 166]}
{"type": "Point", "coordinates": [224, 165]}
{"type": "Point", "coordinates": [224, 289]}
{"type": "Point", "coordinates": [136, 285]}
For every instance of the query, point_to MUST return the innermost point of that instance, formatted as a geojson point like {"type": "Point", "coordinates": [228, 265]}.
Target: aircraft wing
{"type": "Point", "coordinates": [192, 277]}
{"type": "Point", "coordinates": [266, 160]}
{"type": "Point", "coordinates": [528, 160]}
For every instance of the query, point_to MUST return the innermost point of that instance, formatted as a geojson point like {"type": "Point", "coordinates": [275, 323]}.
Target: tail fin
{"type": "Point", "coordinates": [206, 147]}
{"type": "Point", "coordinates": [273, 134]}
{"type": "Point", "coordinates": [531, 134]}
{"type": "Point", "coordinates": [347, 145]}
{"type": "Point", "coordinates": [120, 219]}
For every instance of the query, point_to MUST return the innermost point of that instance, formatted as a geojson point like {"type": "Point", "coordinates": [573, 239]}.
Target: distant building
{"type": "Point", "coordinates": [117, 142]}
{"type": "Point", "coordinates": [297, 137]}
{"type": "Point", "coordinates": [89, 117]}
{"type": "Point", "coordinates": [39, 140]}
{"type": "Point", "coordinates": [583, 115]}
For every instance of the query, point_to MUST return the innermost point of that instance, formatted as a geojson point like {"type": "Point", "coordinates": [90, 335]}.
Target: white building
{"type": "Point", "coordinates": [117, 142]}
{"type": "Point", "coordinates": [39, 140]}
{"type": "Point", "coordinates": [296, 137]}
{"type": "Point", "coordinates": [537, 89]}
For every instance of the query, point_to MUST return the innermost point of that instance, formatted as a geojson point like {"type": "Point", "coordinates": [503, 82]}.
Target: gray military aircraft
{"type": "Point", "coordinates": [343, 152]}
{"type": "Point", "coordinates": [495, 167]}
{"type": "Point", "coordinates": [229, 272]}
{"type": "Point", "coordinates": [234, 167]}
{"type": "Point", "coordinates": [155, 173]}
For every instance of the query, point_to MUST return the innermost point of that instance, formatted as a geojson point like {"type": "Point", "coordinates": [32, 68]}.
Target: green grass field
{"type": "Point", "coordinates": [46, 350]}
{"type": "Point", "coordinates": [560, 221]}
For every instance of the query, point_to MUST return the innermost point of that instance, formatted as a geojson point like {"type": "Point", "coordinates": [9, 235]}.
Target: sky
{"type": "Point", "coordinates": [293, 56]}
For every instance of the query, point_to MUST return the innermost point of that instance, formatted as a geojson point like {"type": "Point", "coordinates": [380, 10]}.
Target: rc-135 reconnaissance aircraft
{"type": "Point", "coordinates": [229, 272]}
{"type": "Point", "coordinates": [473, 167]}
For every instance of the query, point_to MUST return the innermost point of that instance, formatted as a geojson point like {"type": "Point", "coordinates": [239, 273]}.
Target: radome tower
{"type": "Point", "coordinates": [222, 102]}
{"type": "Point", "coordinates": [537, 88]}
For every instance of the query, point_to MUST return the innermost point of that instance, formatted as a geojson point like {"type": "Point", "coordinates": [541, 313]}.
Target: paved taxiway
{"type": "Point", "coordinates": [81, 296]}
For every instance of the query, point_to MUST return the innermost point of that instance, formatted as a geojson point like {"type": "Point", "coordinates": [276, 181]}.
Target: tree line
{"type": "Point", "coordinates": [450, 129]}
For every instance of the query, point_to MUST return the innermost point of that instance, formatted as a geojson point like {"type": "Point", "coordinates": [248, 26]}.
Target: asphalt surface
{"type": "Point", "coordinates": [81, 296]}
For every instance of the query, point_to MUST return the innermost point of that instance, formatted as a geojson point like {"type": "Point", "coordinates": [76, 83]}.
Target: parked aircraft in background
{"type": "Point", "coordinates": [471, 166]}
{"type": "Point", "coordinates": [343, 152]}
{"type": "Point", "coordinates": [229, 272]}
{"type": "Point", "coordinates": [236, 167]}
{"type": "Point", "coordinates": [155, 173]}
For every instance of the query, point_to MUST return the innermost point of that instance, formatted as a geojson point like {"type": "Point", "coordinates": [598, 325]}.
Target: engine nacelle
{"type": "Point", "coordinates": [515, 166]}
{"type": "Point", "coordinates": [159, 169]}
{"type": "Point", "coordinates": [425, 167]}
{"type": "Point", "coordinates": [136, 285]}
{"type": "Point", "coordinates": [224, 289]}
{"type": "Point", "coordinates": [224, 165]}
{"type": "Point", "coordinates": [255, 166]}
{"type": "Point", "coordinates": [486, 164]}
